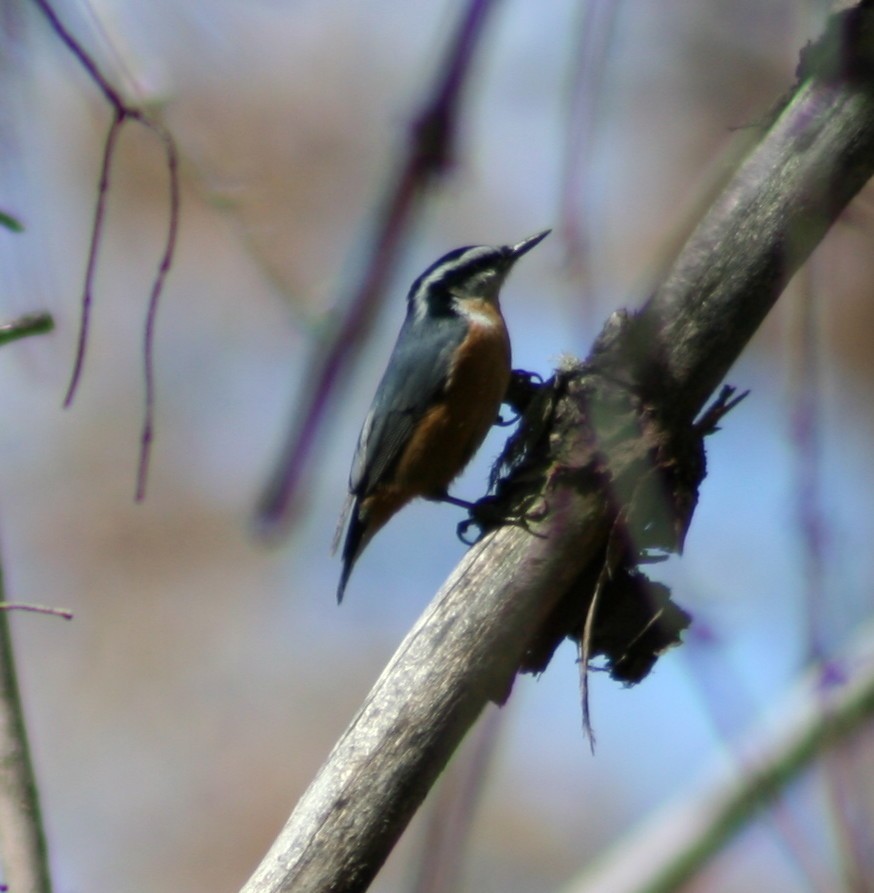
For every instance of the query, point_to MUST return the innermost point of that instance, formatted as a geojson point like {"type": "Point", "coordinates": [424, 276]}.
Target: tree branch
{"type": "Point", "coordinates": [814, 158]}
{"type": "Point", "coordinates": [594, 446]}
{"type": "Point", "coordinates": [679, 840]}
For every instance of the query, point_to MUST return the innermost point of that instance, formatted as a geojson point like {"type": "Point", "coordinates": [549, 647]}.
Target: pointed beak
{"type": "Point", "coordinates": [526, 245]}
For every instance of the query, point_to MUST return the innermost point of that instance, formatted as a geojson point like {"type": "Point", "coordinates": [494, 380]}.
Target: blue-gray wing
{"type": "Point", "coordinates": [414, 378]}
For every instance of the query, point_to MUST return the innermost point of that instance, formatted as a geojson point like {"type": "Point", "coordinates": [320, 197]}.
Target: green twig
{"type": "Point", "coordinates": [11, 223]}
{"type": "Point", "coordinates": [25, 326]}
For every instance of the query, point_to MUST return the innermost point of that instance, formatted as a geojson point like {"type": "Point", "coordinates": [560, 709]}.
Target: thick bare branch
{"type": "Point", "coordinates": [462, 653]}
{"type": "Point", "coordinates": [814, 158]}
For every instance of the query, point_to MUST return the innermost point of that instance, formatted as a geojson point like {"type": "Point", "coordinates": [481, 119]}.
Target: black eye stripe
{"type": "Point", "coordinates": [455, 268]}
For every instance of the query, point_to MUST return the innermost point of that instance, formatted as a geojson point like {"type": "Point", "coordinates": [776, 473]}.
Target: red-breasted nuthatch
{"type": "Point", "coordinates": [439, 395]}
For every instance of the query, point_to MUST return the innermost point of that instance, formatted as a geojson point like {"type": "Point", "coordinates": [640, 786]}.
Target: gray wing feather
{"type": "Point", "coordinates": [416, 375]}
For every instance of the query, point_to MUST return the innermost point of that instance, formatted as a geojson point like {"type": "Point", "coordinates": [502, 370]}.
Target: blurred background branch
{"type": "Point", "coordinates": [429, 156]}
{"type": "Point", "coordinates": [23, 850]}
{"type": "Point", "coordinates": [670, 847]}
{"type": "Point", "coordinates": [22, 837]}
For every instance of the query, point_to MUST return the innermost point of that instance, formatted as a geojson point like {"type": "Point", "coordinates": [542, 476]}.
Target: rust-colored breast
{"type": "Point", "coordinates": [452, 430]}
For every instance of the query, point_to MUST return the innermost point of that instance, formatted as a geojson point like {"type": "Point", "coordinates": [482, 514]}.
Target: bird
{"type": "Point", "coordinates": [441, 392]}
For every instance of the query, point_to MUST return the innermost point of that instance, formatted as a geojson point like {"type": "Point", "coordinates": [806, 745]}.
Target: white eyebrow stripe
{"type": "Point", "coordinates": [453, 266]}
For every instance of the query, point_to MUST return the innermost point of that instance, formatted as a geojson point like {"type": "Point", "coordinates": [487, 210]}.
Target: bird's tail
{"type": "Point", "coordinates": [354, 542]}
{"type": "Point", "coordinates": [365, 517]}
{"type": "Point", "coordinates": [341, 522]}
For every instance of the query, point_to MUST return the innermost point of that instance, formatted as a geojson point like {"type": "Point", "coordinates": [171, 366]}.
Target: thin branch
{"type": "Point", "coordinates": [813, 535]}
{"type": "Point", "coordinates": [112, 96]}
{"type": "Point", "coordinates": [152, 311]}
{"type": "Point", "coordinates": [468, 645]}
{"type": "Point", "coordinates": [807, 423]}
{"type": "Point", "coordinates": [429, 155]}
{"type": "Point", "coordinates": [36, 609]}
{"type": "Point", "coordinates": [122, 112]}
{"type": "Point", "coordinates": [724, 698]}
{"type": "Point", "coordinates": [22, 839]}
{"type": "Point", "coordinates": [93, 249]}
{"type": "Point", "coordinates": [596, 29]}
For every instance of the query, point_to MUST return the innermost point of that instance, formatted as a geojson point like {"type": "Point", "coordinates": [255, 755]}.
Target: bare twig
{"type": "Point", "coordinates": [468, 645]}
{"type": "Point", "coordinates": [429, 155]}
{"type": "Point", "coordinates": [122, 111]}
{"type": "Point", "coordinates": [112, 96]}
{"type": "Point", "coordinates": [152, 311]}
{"type": "Point", "coordinates": [93, 249]}
{"type": "Point", "coordinates": [595, 30]}
{"type": "Point", "coordinates": [36, 609]}
{"type": "Point", "coordinates": [22, 839]}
